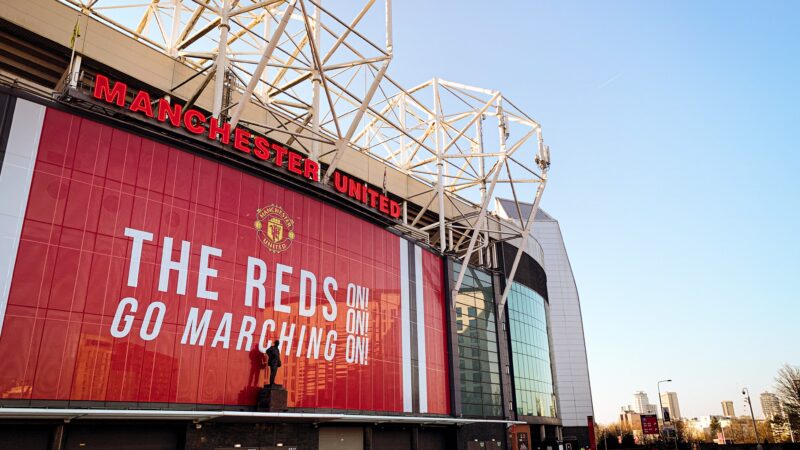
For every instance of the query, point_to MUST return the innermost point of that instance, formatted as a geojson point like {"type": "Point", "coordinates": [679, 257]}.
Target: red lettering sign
{"type": "Point", "coordinates": [244, 142]}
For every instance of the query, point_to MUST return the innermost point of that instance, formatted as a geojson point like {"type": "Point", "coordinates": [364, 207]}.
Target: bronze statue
{"type": "Point", "coordinates": [273, 361]}
{"type": "Point", "coordinates": [272, 397]}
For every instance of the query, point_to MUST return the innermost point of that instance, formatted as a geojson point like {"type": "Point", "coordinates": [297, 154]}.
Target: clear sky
{"type": "Point", "coordinates": [673, 128]}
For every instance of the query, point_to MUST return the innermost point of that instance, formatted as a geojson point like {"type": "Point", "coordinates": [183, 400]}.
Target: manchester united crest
{"type": "Point", "coordinates": [275, 229]}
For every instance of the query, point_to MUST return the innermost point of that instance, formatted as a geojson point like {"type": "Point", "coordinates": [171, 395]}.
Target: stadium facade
{"type": "Point", "coordinates": [169, 211]}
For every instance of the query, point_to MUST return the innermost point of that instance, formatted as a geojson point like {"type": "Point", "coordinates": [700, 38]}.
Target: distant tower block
{"type": "Point", "coordinates": [727, 409]}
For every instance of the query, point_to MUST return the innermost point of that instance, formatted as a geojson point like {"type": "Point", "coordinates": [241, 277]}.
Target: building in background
{"type": "Point", "coordinates": [770, 405]}
{"type": "Point", "coordinates": [567, 336]}
{"type": "Point", "coordinates": [670, 402]}
{"type": "Point", "coordinates": [632, 421]}
{"type": "Point", "coordinates": [641, 403]}
{"type": "Point", "coordinates": [702, 424]}
{"type": "Point", "coordinates": [727, 408]}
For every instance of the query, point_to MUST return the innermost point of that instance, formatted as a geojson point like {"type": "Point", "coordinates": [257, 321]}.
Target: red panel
{"type": "Point", "coordinates": [91, 182]}
{"type": "Point", "coordinates": [435, 334]}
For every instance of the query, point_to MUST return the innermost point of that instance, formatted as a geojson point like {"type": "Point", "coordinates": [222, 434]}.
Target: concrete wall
{"type": "Point", "coordinates": [568, 343]}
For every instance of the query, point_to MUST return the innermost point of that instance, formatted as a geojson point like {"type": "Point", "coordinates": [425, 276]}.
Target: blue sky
{"type": "Point", "coordinates": [673, 128]}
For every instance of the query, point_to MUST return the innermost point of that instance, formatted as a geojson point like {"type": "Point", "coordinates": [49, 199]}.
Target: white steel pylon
{"type": "Point", "coordinates": [464, 142]}
{"type": "Point", "coordinates": [306, 65]}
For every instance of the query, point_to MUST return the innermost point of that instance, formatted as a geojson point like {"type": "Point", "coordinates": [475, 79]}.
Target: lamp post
{"type": "Point", "coordinates": [746, 394]}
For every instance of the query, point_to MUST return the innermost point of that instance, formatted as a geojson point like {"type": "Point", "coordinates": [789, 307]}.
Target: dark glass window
{"type": "Point", "coordinates": [530, 353]}
{"type": "Point", "coordinates": [477, 345]}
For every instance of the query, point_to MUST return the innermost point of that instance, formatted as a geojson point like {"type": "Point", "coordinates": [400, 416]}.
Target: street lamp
{"type": "Point", "coordinates": [746, 394]}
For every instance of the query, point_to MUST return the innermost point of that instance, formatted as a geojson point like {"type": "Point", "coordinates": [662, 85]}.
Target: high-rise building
{"type": "Point", "coordinates": [641, 403]}
{"type": "Point", "coordinates": [669, 400]}
{"type": "Point", "coordinates": [639, 400]}
{"type": "Point", "coordinates": [727, 409]}
{"type": "Point", "coordinates": [770, 405]}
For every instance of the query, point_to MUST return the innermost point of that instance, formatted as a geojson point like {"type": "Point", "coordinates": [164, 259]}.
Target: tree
{"type": "Point", "coordinates": [781, 427]}
{"type": "Point", "coordinates": [609, 436]}
{"type": "Point", "coordinates": [794, 425]}
{"type": "Point", "coordinates": [627, 440]}
{"type": "Point", "coordinates": [714, 427]}
{"type": "Point", "coordinates": [765, 431]}
{"type": "Point", "coordinates": [681, 431]}
{"type": "Point", "coordinates": [787, 387]}
{"type": "Point", "coordinates": [735, 431]}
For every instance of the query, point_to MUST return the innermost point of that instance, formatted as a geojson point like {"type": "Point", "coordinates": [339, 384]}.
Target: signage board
{"type": "Point", "coordinates": [649, 424]}
{"type": "Point", "coordinates": [147, 275]}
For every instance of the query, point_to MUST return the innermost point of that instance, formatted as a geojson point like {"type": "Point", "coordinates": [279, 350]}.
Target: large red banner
{"type": "Point", "coordinates": [148, 274]}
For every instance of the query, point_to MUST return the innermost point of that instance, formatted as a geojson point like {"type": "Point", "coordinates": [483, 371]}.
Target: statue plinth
{"type": "Point", "coordinates": [272, 398]}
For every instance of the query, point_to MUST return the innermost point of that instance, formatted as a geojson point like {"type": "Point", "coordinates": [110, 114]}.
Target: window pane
{"type": "Point", "coordinates": [477, 345]}
{"type": "Point", "coordinates": [530, 352]}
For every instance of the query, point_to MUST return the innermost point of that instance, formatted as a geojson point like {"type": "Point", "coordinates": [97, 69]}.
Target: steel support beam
{"type": "Point", "coordinates": [222, 62]}
{"type": "Point", "coordinates": [262, 64]}
{"type": "Point", "coordinates": [356, 120]}
{"type": "Point", "coordinates": [527, 231]}
{"type": "Point", "coordinates": [316, 85]}
{"type": "Point", "coordinates": [437, 111]}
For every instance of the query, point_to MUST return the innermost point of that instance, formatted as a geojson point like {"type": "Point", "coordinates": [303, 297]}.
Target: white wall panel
{"type": "Point", "coordinates": [15, 184]}
{"type": "Point", "coordinates": [569, 345]}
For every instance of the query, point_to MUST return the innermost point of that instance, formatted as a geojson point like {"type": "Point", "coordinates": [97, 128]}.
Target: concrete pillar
{"type": "Point", "coordinates": [367, 438]}
{"type": "Point", "coordinates": [58, 438]}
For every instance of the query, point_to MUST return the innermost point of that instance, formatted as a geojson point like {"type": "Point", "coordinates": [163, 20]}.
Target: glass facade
{"type": "Point", "coordinates": [477, 345]}
{"type": "Point", "coordinates": [530, 353]}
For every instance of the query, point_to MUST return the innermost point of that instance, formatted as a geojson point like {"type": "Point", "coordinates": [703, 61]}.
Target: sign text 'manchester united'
{"type": "Point", "coordinates": [243, 141]}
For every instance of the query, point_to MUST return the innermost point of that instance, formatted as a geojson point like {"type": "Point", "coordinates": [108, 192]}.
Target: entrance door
{"type": "Point", "coordinates": [389, 438]}
{"type": "Point", "coordinates": [336, 438]}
